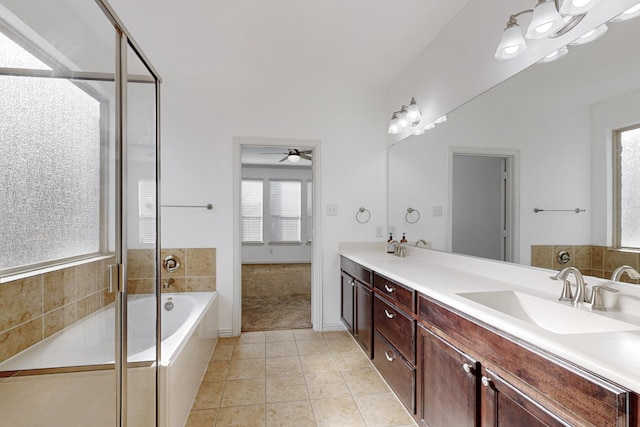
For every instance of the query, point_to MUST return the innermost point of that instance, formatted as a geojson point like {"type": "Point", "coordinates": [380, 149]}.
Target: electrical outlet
{"type": "Point", "coordinates": [379, 231]}
{"type": "Point", "coordinates": [332, 210]}
{"type": "Point", "coordinates": [436, 211]}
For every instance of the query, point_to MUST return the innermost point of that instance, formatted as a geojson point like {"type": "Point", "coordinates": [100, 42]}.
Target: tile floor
{"type": "Point", "coordinates": [294, 378]}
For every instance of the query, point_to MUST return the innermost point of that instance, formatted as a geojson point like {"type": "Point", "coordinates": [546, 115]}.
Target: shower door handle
{"type": "Point", "coordinates": [115, 277]}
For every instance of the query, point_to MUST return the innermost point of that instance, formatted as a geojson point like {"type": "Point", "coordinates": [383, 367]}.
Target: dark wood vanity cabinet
{"type": "Point", "coordinates": [357, 302]}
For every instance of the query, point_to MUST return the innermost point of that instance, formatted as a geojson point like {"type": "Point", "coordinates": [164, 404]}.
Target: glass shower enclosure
{"type": "Point", "coordinates": [79, 174]}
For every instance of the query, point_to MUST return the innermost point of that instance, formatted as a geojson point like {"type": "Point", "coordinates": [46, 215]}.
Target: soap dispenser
{"type": "Point", "coordinates": [390, 248]}
{"type": "Point", "coordinates": [404, 239]}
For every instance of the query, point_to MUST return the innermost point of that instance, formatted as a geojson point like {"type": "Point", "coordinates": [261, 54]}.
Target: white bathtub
{"type": "Point", "coordinates": [188, 337]}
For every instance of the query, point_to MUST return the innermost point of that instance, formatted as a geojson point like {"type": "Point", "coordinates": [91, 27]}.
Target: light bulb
{"type": "Point", "coordinates": [545, 20]}
{"type": "Point", "coordinates": [294, 158]}
{"type": "Point", "coordinates": [512, 42]}
{"type": "Point", "coordinates": [403, 122]}
{"type": "Point", "coordinates": [413, 113]}
{"type": "Point", "coordinates": [393, 125]}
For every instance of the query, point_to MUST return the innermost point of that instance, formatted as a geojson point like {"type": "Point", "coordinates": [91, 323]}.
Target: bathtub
{"type": "Point", "coordinates": [189, 332]}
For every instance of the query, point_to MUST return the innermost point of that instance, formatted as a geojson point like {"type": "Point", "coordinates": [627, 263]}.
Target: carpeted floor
{"type": "Point", "coordinates": [271, 313]}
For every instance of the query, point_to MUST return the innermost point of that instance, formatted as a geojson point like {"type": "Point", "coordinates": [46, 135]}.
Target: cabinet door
{"type": "Point", "coordinates": [504, 405]}
{"type": "Point", "coordinates": [347, 285]}
{"type": "Point", "coordinates": [363, 328]}
{"type": "Point", "coordinates": [447, 384]}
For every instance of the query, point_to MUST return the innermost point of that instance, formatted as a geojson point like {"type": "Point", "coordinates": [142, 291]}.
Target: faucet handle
{"type": "Point", "coordinates": [596, 302]}
{"type": "Point", "coordinates": [567, 293]}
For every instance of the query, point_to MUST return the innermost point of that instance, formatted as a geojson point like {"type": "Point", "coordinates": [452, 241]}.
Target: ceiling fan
{"type": "Point", "coordinates": [294, 155]}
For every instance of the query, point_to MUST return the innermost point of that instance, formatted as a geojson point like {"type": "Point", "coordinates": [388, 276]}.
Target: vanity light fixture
{"type": "Point", "coordinates": [407, 116]}
{"type": "Point", "coordinates": [393, 125]}
{"type": "Point", "coordinates": [413, 113]}
{"type": "Point", "coordinates": [546, 20]}
{"type": "Point", "coordinates": [553, 56]}
{"type": "Point", "coordinates": [630, 13]}
{"type": "Point", "coordinates": [577, 7]}
{"type": "Point", "coordinates": [403, 121]}
{"type": "Point", "coordinates": [590, 36]}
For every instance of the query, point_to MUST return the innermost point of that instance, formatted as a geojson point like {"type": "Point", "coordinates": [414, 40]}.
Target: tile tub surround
{"type": "Point", "coordinates": [197, 272]}
{"type": "Point", "coordinates": [33, 308]}
{"type": "Point", "coordinates": [591, 260]}
{"type": "Point", "coordinates": [294, 378]}
{"type": "Point", "coordinates": [275, 280]}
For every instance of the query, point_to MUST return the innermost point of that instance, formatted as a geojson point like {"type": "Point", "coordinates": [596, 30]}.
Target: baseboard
{"type": "Point", "coordinates": [332, 327]}
{"type": "Point", "coordinates": [224, 333]}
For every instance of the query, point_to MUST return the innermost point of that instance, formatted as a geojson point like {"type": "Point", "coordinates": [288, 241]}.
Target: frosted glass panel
{"type": "Point", "coordinates": [630, 188]}
{"type": "Point", "coordinates": [50, 171]}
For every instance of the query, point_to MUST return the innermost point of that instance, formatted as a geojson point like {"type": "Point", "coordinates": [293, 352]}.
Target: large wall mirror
{"type": "Point", "coordinates": [549, 128]}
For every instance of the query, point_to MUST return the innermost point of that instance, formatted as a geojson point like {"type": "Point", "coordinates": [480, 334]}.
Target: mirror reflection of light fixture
{"type": "Point", "coordinates": [441, 119]}
{"type": "Point", "coordinates": [553, 56]}
{"type": "Point", "coordinates": [630, 13]}
{"type": "Point", "coordinates": [407, 116]}
{"type": "Point", "coordinates": [590, 36]}
{"type": "Point", "coordinates": [577, 7]}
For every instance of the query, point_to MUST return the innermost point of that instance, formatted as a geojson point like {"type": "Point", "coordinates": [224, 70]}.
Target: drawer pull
{"type": "Point", "coordinates": [389, 289]}
{"type": "Point", "coordinates": [486, 381]}
{"type": "Point", "coordinates": [388, 314]}
{"type": "Point", "coordinates": [390, 356]}
{"type": "Point", "coordinates": [352, 283]}
{"type": "Point", "coordinates": [467, 368]}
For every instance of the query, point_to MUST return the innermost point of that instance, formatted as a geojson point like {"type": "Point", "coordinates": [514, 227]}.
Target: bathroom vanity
{"type": "Point", "coordinates": [449, 336]}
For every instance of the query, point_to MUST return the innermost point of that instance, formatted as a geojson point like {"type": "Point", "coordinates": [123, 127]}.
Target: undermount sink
{"type": "Point", "coordinates": [548, 314]}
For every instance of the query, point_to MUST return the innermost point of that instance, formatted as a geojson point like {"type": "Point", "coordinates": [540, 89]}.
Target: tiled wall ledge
{"type": "Point", "coordinates": [35, 307]}
{"type": "Point", "coordinates": [197, 272]}
{"type": "Point", "coordinates": [269, 280]}
{"type": "Point", "coordinates": [591, 260]}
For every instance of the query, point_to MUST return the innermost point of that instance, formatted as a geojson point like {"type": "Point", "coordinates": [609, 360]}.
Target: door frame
{"type": "Point", "coordinates": [316, 244]}
{"type": "Point", "coordinates": [512, 209]}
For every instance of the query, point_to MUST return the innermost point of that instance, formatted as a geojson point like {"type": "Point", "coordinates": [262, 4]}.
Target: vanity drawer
{"type": "Point", "coordinates": [397, 327]}
{"type": "Point", "coordinates": [356, 270]}
{"type": "Point", "coordinates": [395, 291]}
{"type": "Point", "coordinates": [400, 376]}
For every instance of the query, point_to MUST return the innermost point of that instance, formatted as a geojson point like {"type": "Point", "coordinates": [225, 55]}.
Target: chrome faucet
{"type": "Point", "coordinates": [631, 272]}
{"type": "Point", "coordinates": [566, 295]}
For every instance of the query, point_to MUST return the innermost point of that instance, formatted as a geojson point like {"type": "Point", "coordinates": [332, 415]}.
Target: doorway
{"type": "Point", "coordinates": [482, 217]}
{"type": "Point", "coordinates": [276, 236]}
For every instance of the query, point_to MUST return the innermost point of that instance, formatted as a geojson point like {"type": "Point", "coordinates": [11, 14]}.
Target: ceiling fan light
{"type": "Point", "coordinates": [577, 7]}
{"type": "Point", "coordinates": [590, 36]}
{"type": "Point", "coordinates": [630, 13]}
{"type": "Point", "coordinates": [413, 112]}
{"type": "Point", "coordinates": [294, 158]}
{"type": "Point", "coordinates": [553, 56]}
{"type": "Point", "coordinates": [512, 42]}
{"type": "Point", "coordinates": [545, 21]}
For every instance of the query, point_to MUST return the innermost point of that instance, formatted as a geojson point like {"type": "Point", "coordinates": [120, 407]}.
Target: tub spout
{"type": "Point", "coordinates": [168, 283]}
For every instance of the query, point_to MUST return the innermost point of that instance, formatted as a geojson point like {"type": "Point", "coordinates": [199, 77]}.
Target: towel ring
{"type": "Point", "coordinates": [363, 211]}
{"type": "Point", "coordinates": [409, 212]}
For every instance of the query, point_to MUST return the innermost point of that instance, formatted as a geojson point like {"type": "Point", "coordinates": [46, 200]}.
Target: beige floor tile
{"type": "Point", "coordinates": [244, 392]}
{"type": "Point", "coordinates": [351, 361]}
{"type": "Point", "coordinates": [226, 342]}
{"type": "Point", "coordinates": [209, 395]}
{"type": "Point", "coordinates": [242, 416]}
{"type": "Point", "coordinates": [290, 414]}
{"type": "Point", "coordinates": [203, 418]}
{"type": "Point", "coordinates": [318, 363]}
{"type": "Point", "coordinates": [280, 336]}
{"type": "Point", "coordinates": [283, 366]}
{"type": "Point", "coordinates": [249, 351]}
{"type": "Point", "coordinates": [223, 353]}
{"type": "Point", "coordinates": [217, 371]}
{"type": "Point", "coordinates": [383, 410]}
{"type": "Point", "coordinates": [286, 389]}
{"type": "Point", "coordinates": [337, 412]}
{"type": "Point", "coordinates": [281, 349]}
{"type": "Point", "coordinates": [306, 348]}
{"type": "Point", "coordinates": [325, 385]}
{"type": "Point", "coordinates": [336, 335]}
{"type": "Point", "coordinates": [307, 335]}
{"type": "Point", "coordinates": [246, 368]}
{"type": "Point", "coordinates": [343, 345]}
{"type": "Point", "coordinates": [252, 338]}
{"type": "Point", "coordinates": [365, 381]}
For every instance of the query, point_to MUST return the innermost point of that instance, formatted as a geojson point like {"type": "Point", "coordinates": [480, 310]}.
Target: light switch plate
{"type": "Point", "coordinates": [436, 211]}
{"type": "Point", "coordinates": [332, 210]}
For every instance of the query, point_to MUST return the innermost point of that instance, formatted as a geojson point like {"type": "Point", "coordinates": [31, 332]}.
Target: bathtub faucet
{"type": "Point", "coordinates": [168, 283]}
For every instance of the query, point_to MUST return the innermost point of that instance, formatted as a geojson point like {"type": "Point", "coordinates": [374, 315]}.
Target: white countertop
{"type": "Point", "coordinates": [612, 355]}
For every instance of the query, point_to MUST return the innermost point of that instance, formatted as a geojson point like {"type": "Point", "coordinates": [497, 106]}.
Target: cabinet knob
{"type": "Point", "coordinates": [390, 356]}
{"type": "Point", "coordinates": [467, 368]}
{"type": "Point", "coordinates": [388, 314]}
{"type": "Point", "coordinates": [486, 381]}
{"type": "Point", "coordinates": [388, 288]}
{"type": "Point", "coordinates": [352, 282]}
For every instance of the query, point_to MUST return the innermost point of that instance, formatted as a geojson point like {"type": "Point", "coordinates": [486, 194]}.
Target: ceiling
{"type": "Point", "coordinates": [286, 43]}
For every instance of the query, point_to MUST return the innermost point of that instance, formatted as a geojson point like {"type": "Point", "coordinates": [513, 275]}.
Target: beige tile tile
{"type": "Point", "coordinates": [542, 256]}
{"type": "Point", "coordinates": [20, 301]}
{"type": "Point", "coordinates": [201, 284]}
{"type": "Point", "coordinates": [141, 286]}
{"type": "Point", "coordinates": [201, 262]}
{"type": "Point", "coordinates": [307, 348]}
{"type": "Point", "coordinates": [339, 411]}
{"type": "Point", "coordinates": [597, 257]}
{"type": "Point", "coordinates": [582, 257]}
{"type": "Point", "coordinates": [59, 288]}
{"type": "Point", "coordinates": [88, 305]}
{"type": "Point", "coordinates": [107, 297]}
{"type": "Point", "coordinates": [307, 335]}
{"type": "Point", "coordinates": [17, 339]}
{"type": "Point", "coordinates": [318, 363]}
{"type": "Point", "coordinates": [614, 259]}
{"type": "Point", "coordinates": [59, 319]}
{"type": "Point", "coordinates": [343, 345]}
{"type": "Point", "coordinates": [290, 414]}
{"type": "Point", "coordinates": [252, 337]}
{"type": "Point", "coordinates": [202, 418]}
{"type": "Point", "coordinates": [244, 392]}
{"type": "Point", "coordinates": [365, 381]}
{"type": "Point", "coordinates": [249, 351]}
{"type": "Point", "coordinates": [226, 342]}
{"type": "Point", "coordinates": [286, 389]}
{"type": "Point", "coordinates": [88, 278]}
{"type": "Point", "coordinates": [242, 416]}
{"type": "Point", "coordinates": [283, 366]}
{"type": "Point", "coordinates": [325, 385]}
{"type": "Point", "coordinates": [224, 352]}
{"type": "Point", "coordinates": [141, 264]}
{"type": "Point", "coordinates": [246, 368]}
{"type": "Point", "coordinates": [281, 349]}
{"type": "Point", "coordinates": [336, 335]}
{"type": "Point", "coordinates": [209, 395]}
{"type": "Point", "coordinates": [217, 370]}
{"type": "Point", "coordinates": [280, 336]}
{"type": "Point", "coordinates": [382, 410]}
{"type": "Point", "coordinates": [351, 361]}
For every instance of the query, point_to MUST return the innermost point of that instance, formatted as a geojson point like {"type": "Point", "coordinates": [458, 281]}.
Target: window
{"type": "Point", "coordinates": [285, 208]}
{"type": "Point", "coordinates": [627, 187]}
{"type": "Point", "coordinates": [147, 211]}
{"type": "Point", "coordinates": [251, 210]}
{"type": "Point", "coordinates": [309, 210]}
{"type": "Point", "coordinates": [51, 193]}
